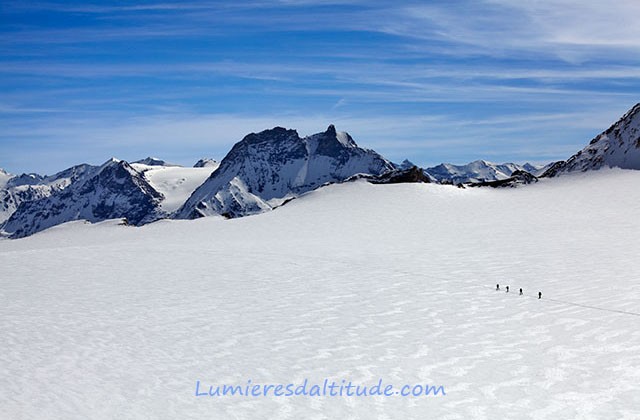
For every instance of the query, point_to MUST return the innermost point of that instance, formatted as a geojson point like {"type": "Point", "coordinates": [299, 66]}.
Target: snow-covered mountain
{"type": "Point", "coordinates": [478, 171]}
{"type": "Point", "coordinates": [152, 161]}
{"type": "Point", "coordinates": [406, 164]}
{"type": "Point", "coordinates": [151, 187]}
{"type": "Point", "coordinates": [17, 189]}
{"type": "Point", "coordinates": [260, 172]}
{"type": "Point", "coordinates": [618, 146]}
{"type": "Point", "coordinates": [113, 190]}
{"type": "Point", "coordinates": [264, 170]}
{"type": "Point", "coordinates": [206, 162]}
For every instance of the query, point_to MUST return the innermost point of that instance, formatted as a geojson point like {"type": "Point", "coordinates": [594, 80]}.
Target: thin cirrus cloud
{"type": "Point", "coordinates": [572, 30]}
{"type": "Point", "coordinates": [436, 81]}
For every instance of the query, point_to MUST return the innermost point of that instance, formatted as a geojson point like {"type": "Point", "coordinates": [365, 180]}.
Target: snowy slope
{"type": "Point", "coordinates": [265, 169]}
{"type": "Point", "coordinates": [354, 281]}
{"type": "Point", "coordinates": [175, 183]}
{"type": "Point", "coordinates": [618, 146]}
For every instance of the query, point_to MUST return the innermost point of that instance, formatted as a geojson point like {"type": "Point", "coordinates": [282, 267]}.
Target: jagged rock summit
{"type": "Point", "coordinates": [111, 191]}
{"type": "Point", "coordinates": [617, 147]}
{"type": "Point", "coordinates": [265, 169]}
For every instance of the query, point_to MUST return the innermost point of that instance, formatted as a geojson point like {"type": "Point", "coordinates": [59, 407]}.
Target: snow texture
{"type": "Point", "coordinates": [175, 183]}
{"type": "Point", "coordinates": [353, 281]}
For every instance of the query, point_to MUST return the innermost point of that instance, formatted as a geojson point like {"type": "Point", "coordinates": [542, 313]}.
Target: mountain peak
{"type": "Point", "coordinates": [632, 112]}
{"type": "Point", "coordinates": [331, 142]}
{"type": "Point", "coordinates": [269, 135]}
{"type": "Point", "coordinates": [406, 164]}
{"type": "Point", "coordinates": [206, 162]}
{"type": "Point", "coordinates": [111, 191]}
{"type": "Point", "coordinates": [265, 169]}
{"type": "Point", "coordinates": [152, 161]}
{"type": "Point", "coordinates": [111, 162]}
{"type": "Point", "coordinates": [618, 146]}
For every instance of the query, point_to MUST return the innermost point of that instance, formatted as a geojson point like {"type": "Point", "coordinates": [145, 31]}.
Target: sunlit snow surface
{"type": "Point", "coordinates": [354, 282]}
{"type": "Point", "coordinates": [175, 183]}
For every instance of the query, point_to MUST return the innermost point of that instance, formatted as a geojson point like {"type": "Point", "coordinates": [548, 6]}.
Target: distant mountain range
{"type": "Point", "coordinates": [480, 171]}
{"type": "Point", "coordinates": [261, 172]}
{"type": "Point", "coordinates": [140, 192]}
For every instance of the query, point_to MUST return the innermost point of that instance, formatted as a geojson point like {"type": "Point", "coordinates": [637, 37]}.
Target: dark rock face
{"type": "Point", "coordinates": [517, 178]}
{"type": "Point", "coordinates": [554, 169]}
{"type": "Point", "coordinates": [329, 145]}
{"type": "Point", "coordinates": [398, 176]}
{"type": "Point", "coordinates": [413, 174]}
{"type": "Point", "coordinates": [265, 169]}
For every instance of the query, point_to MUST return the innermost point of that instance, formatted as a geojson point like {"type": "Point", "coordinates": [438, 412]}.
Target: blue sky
{"type": "Point", "coordinates": [432, 81]}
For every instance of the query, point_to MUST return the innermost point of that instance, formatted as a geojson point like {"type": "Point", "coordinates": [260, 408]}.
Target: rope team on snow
{"type": "Point", "coordinates": [521, 292]}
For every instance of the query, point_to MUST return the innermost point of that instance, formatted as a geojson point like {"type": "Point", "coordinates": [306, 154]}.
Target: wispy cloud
{"type": "Point", "coordinates": [573, 30]}
{"type": "Point", "coordinates": [429, 81]}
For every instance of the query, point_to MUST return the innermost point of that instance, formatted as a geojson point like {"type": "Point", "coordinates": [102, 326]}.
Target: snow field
{"type": "Point", "coordinates": [355, 282]}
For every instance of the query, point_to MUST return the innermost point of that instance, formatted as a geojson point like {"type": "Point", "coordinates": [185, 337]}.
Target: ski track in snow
{"type": "Point", "coordinates": [354, 282]}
